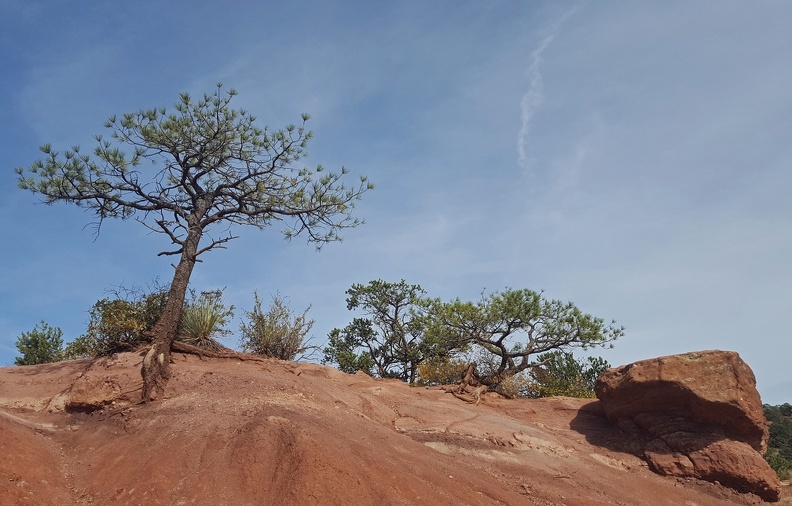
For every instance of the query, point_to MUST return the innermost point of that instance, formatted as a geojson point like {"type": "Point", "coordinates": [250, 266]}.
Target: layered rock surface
{"type": "Point", "coordinates": [694, 415]}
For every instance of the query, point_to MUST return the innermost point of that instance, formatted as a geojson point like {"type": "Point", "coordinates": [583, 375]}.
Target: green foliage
{"type": "Point", "coordinates": [201, 163]}
{"type": "Point", "coordinates": [39, 346]}
{"type": "Point", "coordinates": [558, 373]}
{"type": "Point", "coordinates": [513, 326]}
{"type": "Point", "coordinates": [278, 333]}
{"type": "Point", "coordinates": [118, 325]}
{"type": "Point", "coordinates": [84, 346]}
{"type": "Point", "coordinates": [408, 336]}
{"type": "Point", "coordinates": [781, 465]}
{"type": "Point", "coordinates": [352, 347]}
{"type": "Point", "coordinates": [203, 320]}
{"type": "Point", "coordinates": [396, 336]}
{"type": "Point", "coordinates": [123, 324]}
{"type": "Point", "coordinates": [779, 446]}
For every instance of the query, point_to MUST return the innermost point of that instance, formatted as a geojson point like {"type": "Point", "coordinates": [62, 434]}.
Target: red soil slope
{"type": "Point", "coordinates": [232, 432]}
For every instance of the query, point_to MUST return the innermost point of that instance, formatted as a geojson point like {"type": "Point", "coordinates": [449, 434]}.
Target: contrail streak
{"type": "Point", "coordinates": [534, 97]}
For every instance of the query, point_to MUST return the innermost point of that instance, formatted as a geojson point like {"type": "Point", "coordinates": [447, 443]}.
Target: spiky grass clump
{"type": "Point", "coordinates": [204, 319]}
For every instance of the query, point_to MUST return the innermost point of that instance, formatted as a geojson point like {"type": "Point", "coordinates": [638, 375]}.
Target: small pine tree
{"type": "Point", "coordinates": [41, 345]}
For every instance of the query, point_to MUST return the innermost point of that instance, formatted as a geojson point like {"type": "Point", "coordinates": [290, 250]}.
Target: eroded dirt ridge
{"type": "Point", "coordinates": [231, 432]}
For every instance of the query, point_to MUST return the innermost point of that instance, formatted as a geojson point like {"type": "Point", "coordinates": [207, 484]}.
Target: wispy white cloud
{"type": "Point", "coordinates": [534, 97]}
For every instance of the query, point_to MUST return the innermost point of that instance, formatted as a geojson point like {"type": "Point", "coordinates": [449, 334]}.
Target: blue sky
{"type": "Point", "coordinates": [631, 157]}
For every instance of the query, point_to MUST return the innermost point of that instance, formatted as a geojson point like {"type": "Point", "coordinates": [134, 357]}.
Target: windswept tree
{"type": "Point", "coordinates": [514, 327]}
{"type": "Point", "coordinates": [193, 174]}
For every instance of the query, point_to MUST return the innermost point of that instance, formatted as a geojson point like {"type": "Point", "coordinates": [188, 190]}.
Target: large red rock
{"type": "Point", "coordinates": [695, 415]}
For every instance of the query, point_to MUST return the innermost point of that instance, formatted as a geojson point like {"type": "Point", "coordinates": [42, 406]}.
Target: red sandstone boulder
{"type": "Point", "coordinates": [695, 415]}
{"type": "Point", "coordinates": [90, 394]}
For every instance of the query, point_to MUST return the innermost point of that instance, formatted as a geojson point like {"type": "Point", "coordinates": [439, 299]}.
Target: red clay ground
{"type": "Point", "coordinates": [231, 432]}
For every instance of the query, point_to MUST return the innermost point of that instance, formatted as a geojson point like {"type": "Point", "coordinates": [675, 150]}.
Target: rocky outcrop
{"type": "Point", "coordinates": [97, 386]}
{"type": "Point", "coordinates": [694, 415]}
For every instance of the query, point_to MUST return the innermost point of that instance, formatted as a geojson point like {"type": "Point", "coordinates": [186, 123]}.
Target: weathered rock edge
{"type": "Point", "coordinates": [694, 415]}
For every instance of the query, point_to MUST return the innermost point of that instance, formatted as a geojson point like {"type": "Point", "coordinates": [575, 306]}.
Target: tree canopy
{"type": "Point", "coordinates": [404, 333]}
{"type": "Point", "coordinates": [513, 326]}
{"type": "Point", "coordinates": [192, 174]}
{"type": "Point", "coordinates": [393, 339]}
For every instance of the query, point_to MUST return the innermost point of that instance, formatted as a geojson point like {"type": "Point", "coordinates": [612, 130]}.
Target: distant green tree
{"type": "Point", "coordinates": [353, 348]}
{"type": "Point", "coordinates": [515, 326]}
{"type": "Point", "coordinates": [779, 446]}
{"type": "Point", "coordinates": [189, 171]}
{"type": "Point", "coordinates": [394, 338]}
{"type": "Point", "coordinates": [278, 332]}
{"type": "Point", "coordinates": [39, 346]}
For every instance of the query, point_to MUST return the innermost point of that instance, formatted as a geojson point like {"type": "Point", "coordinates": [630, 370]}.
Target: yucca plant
{"type": "Point", "coordinates": [203, 320]}
{"type": "Point", "coordinates": [278, 333]}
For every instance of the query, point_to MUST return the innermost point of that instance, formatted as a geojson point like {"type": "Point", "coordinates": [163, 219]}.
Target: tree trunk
{"type": "Point", "coordinates": [156, 364]}
{"type": "Point", "coordinates": [469, 376]}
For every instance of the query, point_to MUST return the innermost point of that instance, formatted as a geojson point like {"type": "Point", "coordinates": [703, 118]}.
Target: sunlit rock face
{"type": "Point", "coordinates": [695, 415]}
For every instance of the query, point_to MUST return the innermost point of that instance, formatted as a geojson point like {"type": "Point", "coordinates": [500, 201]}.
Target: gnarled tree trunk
{"type": "Point", "coordinates": [156, 364]}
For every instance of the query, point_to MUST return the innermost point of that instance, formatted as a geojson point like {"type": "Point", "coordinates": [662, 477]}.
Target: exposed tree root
{"type": "Point", "coordinates": [469, 389]}
{"type": "Point", "coordinates": [155, 371]}
{"type": "Point", "coordinates": [474, 397]}
{"type": "Point", "coordinates": [191, 349]}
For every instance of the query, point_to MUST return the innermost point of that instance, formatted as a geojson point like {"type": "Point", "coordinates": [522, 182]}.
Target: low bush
{"type": "Point", "coordinates": [278, 332]}
{"type": "Point", "coordinates": [441, 372]}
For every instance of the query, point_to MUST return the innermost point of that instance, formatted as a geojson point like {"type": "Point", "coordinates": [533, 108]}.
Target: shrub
{"type": "Point", "coordinates": [441, 371]}
{"type": "Point", "coordinates": [39, 346]}
{"type": "Point", "coordinates": [560, 374]}
{"type": "Point", "coordinates": [515, 385]}
{"type": "Point", "coordinates": [118, 325]}
{"type": "Point", "coordinates": [779, 464]}
{"type": "Point", "coordinates": [278, 333]}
